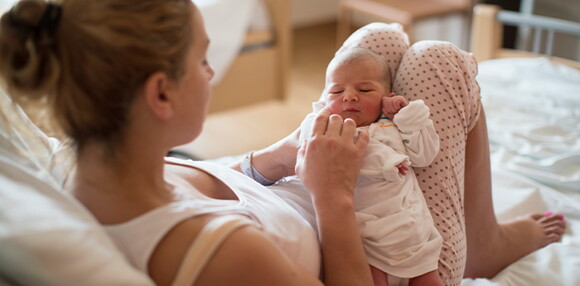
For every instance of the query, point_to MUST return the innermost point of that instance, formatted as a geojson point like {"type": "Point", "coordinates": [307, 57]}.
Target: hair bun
{"type": "Point", "coordinates": [26, 16]}
{"type": "Point", "coordinates": [28, 60]}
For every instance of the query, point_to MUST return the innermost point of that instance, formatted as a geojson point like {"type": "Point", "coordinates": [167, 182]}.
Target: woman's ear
{"type": "Point", "coordinates": [156, 93]}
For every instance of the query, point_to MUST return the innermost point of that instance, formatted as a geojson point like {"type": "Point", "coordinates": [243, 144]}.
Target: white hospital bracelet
{"type": "Point", "coordinates": [248, 169]}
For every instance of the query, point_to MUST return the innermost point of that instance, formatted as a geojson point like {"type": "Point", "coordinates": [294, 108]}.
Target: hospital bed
{"type": "Point", "coordinates": [532, 103]}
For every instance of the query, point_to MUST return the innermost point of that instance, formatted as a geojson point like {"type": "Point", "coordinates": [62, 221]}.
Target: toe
{"type": "Point", "coordinates": [553, 237]}
{"type": "Point", "coordinates": [555, 222]}
{"type": "Point", "coordinates": [549, 217]}
{"type": "Point", "coordinates": [556, 229]}
{"type": "Point", "coordinates": [537, 216]}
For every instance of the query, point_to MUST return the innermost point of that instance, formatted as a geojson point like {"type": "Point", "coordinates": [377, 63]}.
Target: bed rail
{"type": "Point", "coordinates": [487, 33]}
{"type": "Point", "coordinates": [540, 24]}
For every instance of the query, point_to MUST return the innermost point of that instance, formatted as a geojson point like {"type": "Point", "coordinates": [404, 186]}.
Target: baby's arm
{"type": "Point", "coordinates": [418, 133]}
{"type": "Point", "coordinates": [391, 105]}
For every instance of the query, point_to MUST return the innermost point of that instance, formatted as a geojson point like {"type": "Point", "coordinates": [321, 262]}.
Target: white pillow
{"type": "Point", "coordinates": [47, 237]}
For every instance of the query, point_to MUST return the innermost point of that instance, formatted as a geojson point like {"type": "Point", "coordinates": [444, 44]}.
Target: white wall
{"type": "Point", "coordinates": [310, 12]}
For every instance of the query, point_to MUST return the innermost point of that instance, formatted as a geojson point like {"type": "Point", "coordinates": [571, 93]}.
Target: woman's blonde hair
{"type": "Point", "coordinates": [89, 58]}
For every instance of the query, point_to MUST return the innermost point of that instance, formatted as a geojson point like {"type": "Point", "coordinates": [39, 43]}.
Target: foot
{"type": "Point", "coordinates": [516, 239]}
{"type": "Point", "coordinates": [534, 231]}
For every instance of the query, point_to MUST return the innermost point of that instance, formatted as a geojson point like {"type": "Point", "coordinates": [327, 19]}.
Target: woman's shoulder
{"type": "Point", "coordinates": [171, 249]}
{"type": "Point", "coordinates": [201, 250]}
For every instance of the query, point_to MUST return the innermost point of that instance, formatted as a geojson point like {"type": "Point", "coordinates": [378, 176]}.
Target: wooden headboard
{"type": "Point", "coordinates": [487, 32]}
{"type": "Point", "coordinates": [280, 16]}
{"type": "Point", "coordinates": [261, 73]}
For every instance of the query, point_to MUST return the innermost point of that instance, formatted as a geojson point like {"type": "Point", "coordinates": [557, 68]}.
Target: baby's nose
{"type": "Point", "coordinates": [350, 96]}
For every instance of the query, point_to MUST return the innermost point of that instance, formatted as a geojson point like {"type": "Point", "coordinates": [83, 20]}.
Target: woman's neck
{"type": "Point", "coordinates": [121, 186]}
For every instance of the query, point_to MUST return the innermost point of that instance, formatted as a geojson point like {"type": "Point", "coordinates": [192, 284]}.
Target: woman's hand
{"type": "Point", "coordinates": [329, 162]}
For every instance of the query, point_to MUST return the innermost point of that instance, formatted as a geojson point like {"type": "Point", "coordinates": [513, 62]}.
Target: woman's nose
{"type": "Point", "coordinates": [211, 72]}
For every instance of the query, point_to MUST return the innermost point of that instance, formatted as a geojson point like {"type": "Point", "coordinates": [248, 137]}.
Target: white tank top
{"type": "Point", "coordinates": [138, 237]}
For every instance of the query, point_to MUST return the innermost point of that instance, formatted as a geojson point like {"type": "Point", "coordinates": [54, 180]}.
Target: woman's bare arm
{"type": "Point", "coordinates": [328, 165]}
{"type": "Point", "coordinates": [276, 161]}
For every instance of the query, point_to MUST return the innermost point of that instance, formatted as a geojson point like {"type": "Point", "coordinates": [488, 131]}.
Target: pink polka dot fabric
{"type": "Point", "coordinates": [444, 77]}
{"type": "Point", "coordinates": [387, 40]}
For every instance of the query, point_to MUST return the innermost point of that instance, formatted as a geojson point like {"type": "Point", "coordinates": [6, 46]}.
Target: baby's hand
{"type": "Point", "coordinates": [403, 169]}
{"type": "Point", "coordinates": [392, 104]}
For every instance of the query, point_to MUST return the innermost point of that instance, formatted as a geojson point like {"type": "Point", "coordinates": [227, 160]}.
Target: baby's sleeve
{"type": "Point", "coordinates": [418, 133]}
{"type": "Point", "coordinates": [381, 161]}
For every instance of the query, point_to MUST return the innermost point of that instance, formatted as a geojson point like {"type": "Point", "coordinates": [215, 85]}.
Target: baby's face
{"type": "Point", "coordinates": [355, 90]}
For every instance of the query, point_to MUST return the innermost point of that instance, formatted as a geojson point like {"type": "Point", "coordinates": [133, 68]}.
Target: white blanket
{"type": "Point", "coordinates": [533, 113]}
{"type": "Point", "coordinates": [533, 116]}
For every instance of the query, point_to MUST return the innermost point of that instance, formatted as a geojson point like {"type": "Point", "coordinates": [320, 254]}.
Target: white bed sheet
{"type": "Point", "coordinates": [533, 115]}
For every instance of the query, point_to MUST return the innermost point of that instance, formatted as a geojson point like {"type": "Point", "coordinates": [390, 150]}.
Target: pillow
{"type": "Point", "coordinates": [47, 237]}
{"type": "Point", "coordinates": [26, 140]}
{"type": "Point", "coordinates": [377, 38]}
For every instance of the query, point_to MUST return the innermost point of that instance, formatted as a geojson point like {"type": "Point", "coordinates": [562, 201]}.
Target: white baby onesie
{"type": "Point", "coordinates": [396, 226]}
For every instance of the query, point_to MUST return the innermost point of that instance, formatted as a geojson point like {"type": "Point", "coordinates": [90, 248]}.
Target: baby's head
{"type": "Point", "coordinates": [356, 81]}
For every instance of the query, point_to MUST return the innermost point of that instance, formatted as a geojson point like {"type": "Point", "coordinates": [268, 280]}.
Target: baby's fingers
{"type": "Point", "coordinates": [388, 105]}
{"type": "Point", "coordinates": [401, 102]}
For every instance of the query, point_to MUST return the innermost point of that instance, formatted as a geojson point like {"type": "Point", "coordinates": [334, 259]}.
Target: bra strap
{"type": "Point", "coordinates": [210, 238]}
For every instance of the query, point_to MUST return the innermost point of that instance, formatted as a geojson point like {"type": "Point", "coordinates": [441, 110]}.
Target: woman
{"type": "Point", "coordinates": [127, 81]}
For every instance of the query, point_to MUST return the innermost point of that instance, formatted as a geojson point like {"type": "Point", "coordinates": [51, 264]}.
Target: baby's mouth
{"type": "Point", "coordinates": [351, 110]}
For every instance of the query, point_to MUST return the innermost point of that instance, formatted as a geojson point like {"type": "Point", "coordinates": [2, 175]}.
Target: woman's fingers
{"type": "Point", "coordinates": [320, 122]}
{"type": "Point", "coordinates": [348, 128]}
{"type": "Point", "coordinates": [330, 159]}
{"type": "Point", "coordinates": [334, 127]}
{"type": "Point", "coordinates": [329, 124]}
{"type": "Point", "coordinates": [326, 123]}
{"type": "Point", "coordinates": [300, 157]}
{"type": "Point", "coordinates": [361, 141]}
